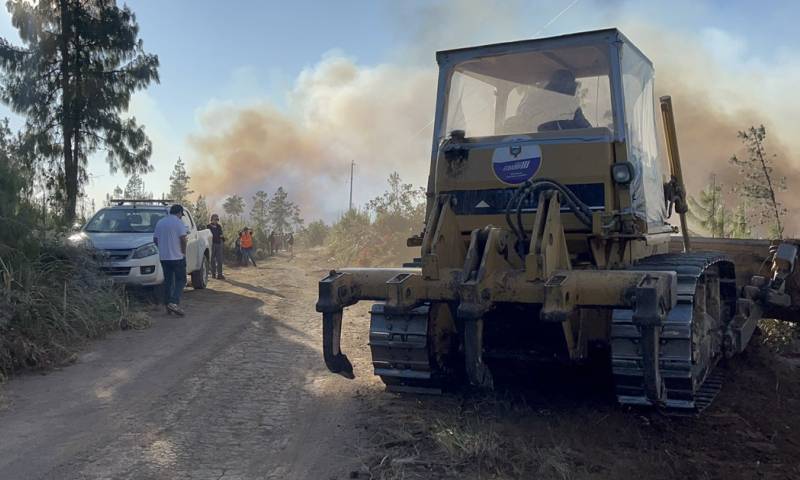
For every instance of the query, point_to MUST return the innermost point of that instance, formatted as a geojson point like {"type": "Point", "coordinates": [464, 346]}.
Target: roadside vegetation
{"type": "Point", "coordinates": [377, 233]}
{"type": "Point", "coordinates": [52, 296]}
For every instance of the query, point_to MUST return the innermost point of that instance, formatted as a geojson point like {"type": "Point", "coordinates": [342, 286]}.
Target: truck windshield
{"type": "Point", "coordinates": [124, 220]}
{"type": "Point", "coordinates": [527, 92]}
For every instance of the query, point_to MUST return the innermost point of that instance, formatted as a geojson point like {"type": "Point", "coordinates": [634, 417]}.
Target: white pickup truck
{"type": "Point", "coordinates": [122, 237]}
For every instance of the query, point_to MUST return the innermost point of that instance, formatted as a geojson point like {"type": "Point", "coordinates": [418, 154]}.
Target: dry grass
{"type": "Point", "coordinates": [51, 303]}
{"type": "Point", "coordinates": [470, 439]}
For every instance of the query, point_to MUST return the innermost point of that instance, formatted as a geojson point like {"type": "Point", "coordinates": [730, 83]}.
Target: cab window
{"type": "Point", "coordinates": [528, 92]}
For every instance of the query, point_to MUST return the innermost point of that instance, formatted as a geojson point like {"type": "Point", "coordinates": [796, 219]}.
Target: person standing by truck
{"type": "Point", "coordinates": [217, 244]}
{"type": "Point", "coordinates": [170, 236]}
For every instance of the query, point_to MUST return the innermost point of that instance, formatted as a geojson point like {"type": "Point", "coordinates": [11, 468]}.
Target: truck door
{"type": "Point", "coordinates": [191, 243]}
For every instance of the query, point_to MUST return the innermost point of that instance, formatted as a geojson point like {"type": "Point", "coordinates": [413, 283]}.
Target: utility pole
{"type": "Point", "coordinates": [352, 165]}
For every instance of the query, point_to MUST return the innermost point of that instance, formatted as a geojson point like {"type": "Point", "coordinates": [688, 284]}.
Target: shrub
{"type": "Point", "coordinates": [315, 234]}
{"type": "Point", "coordinates": [378, 234]}
{"type": "Point", "coordinates": [50, 303]}
{"type": "Point", "coordinates": [52, 297]}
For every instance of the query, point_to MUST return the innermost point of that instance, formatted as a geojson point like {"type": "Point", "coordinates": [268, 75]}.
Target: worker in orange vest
{"type": "Point", "coordinates": [246, 243]}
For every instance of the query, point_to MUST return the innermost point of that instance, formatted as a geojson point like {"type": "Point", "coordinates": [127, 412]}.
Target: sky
{"type": "Point", "coordinates": [257, 94]}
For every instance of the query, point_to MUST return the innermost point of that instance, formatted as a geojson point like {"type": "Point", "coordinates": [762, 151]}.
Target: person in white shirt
{"type": "Point", "coordinates": [170, 238]}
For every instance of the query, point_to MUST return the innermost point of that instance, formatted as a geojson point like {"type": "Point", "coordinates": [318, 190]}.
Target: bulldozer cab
{"type": "Point", "coordinates": [577, 108]}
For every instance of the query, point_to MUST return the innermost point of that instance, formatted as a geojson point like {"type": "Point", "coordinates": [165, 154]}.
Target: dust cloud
{"type": "Point", "coordinates": [380, 117]}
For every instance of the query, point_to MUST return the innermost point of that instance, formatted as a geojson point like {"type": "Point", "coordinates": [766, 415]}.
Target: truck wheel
{"type": "Point", "coordinates": [200, 277]}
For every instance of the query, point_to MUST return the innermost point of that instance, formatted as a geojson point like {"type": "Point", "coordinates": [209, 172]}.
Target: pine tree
{"type": "Point", "coordinates": [761, 181]}
{"type": "Point", "coordinates": [135, 190]}
{"type": "Point", "coordinates": [234, 205]}
{"type": "Point", "coordinates": [259, 212]}
{"type": "Point", "coordinates": [708, 213]}
{"type": "Point", "coordinates": [179, 190]}
{"type": "Point", "coordinates": [200, 211]}
{"type": "Point", "coordinates": [283, 214]}
{"type": "Point", "coordinates": [80, 62]}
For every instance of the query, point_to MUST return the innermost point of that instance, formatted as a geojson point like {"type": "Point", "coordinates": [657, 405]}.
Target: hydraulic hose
{"type": "Point", "coordinates": [529, 189]}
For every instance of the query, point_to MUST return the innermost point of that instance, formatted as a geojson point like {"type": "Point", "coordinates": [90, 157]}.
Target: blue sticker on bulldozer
{"type": "Point", "coordinates": [516, 162]}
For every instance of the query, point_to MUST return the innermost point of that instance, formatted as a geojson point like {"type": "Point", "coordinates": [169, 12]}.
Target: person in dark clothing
{"type": "Point", "coordinates": [290, 244]}
{"type": "Point", "coordinates": [217, 243]}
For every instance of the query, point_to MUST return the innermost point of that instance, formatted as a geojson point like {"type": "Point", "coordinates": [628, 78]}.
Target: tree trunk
{"type": "Point", "coordinates": [67, 121]}
{"type": "Point", "coordinates": [773, 201]}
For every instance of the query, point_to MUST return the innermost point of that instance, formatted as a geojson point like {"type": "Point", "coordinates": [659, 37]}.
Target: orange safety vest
{"type": "Point", "coordinates": [246, 240]}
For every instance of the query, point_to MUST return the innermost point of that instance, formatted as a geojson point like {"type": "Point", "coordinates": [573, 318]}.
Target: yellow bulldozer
{"type": "Point", "coordinates": [547, 236]}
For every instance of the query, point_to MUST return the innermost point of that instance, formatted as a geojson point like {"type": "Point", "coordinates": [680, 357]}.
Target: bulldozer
{"type": "Point", "coordinates": [548, 237]}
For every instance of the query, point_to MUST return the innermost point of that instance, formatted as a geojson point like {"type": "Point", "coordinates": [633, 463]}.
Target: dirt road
{"type": "Point", "coordinates": [237, 390]}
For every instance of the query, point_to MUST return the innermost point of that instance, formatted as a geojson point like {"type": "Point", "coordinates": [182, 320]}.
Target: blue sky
{"type": "Point", "coordinates": [240, 54]}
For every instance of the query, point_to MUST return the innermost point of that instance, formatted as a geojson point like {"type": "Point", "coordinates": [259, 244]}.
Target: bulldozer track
{"type": "Point", "coordinates": [689, 382]}
{"type": "Point", "coordinates": [401, 352]}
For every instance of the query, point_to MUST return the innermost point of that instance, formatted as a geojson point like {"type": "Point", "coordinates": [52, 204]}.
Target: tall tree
{"type": "Point", "coordinates": [259, 212]}
{"type": "Point", "coordinates": [708, 212]}
{"type": "Point", "coordinates": [283, 214]}
{"type": "Point", "coordinates": [15, 187]}
{"type": "Point", "coordinates": [234, 205]}
{"type": "Point", "coordinates": [179, 190]}
{"type": "Point", "coordinates": [761, 183]}
{"type": "Point", "coordinates": [80, 62]}
{"type": "Point", "coordinates": [201, 213]}
{"type": "Point", "coordinates": [135, 189]}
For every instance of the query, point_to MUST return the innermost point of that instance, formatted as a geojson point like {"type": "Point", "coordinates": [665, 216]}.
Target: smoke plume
{"type": "Point", "coordinates": [337, 112]}
{"type": "Point", "coordinates": [380, 116]}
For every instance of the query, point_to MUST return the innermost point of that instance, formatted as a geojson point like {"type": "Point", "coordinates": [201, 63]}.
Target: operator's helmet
{"type": "Point", "coordinates": [562, 81]}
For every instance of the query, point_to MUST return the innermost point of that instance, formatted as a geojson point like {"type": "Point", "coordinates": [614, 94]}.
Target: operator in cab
{"type": "Point", "coordinates": [552, 107]}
